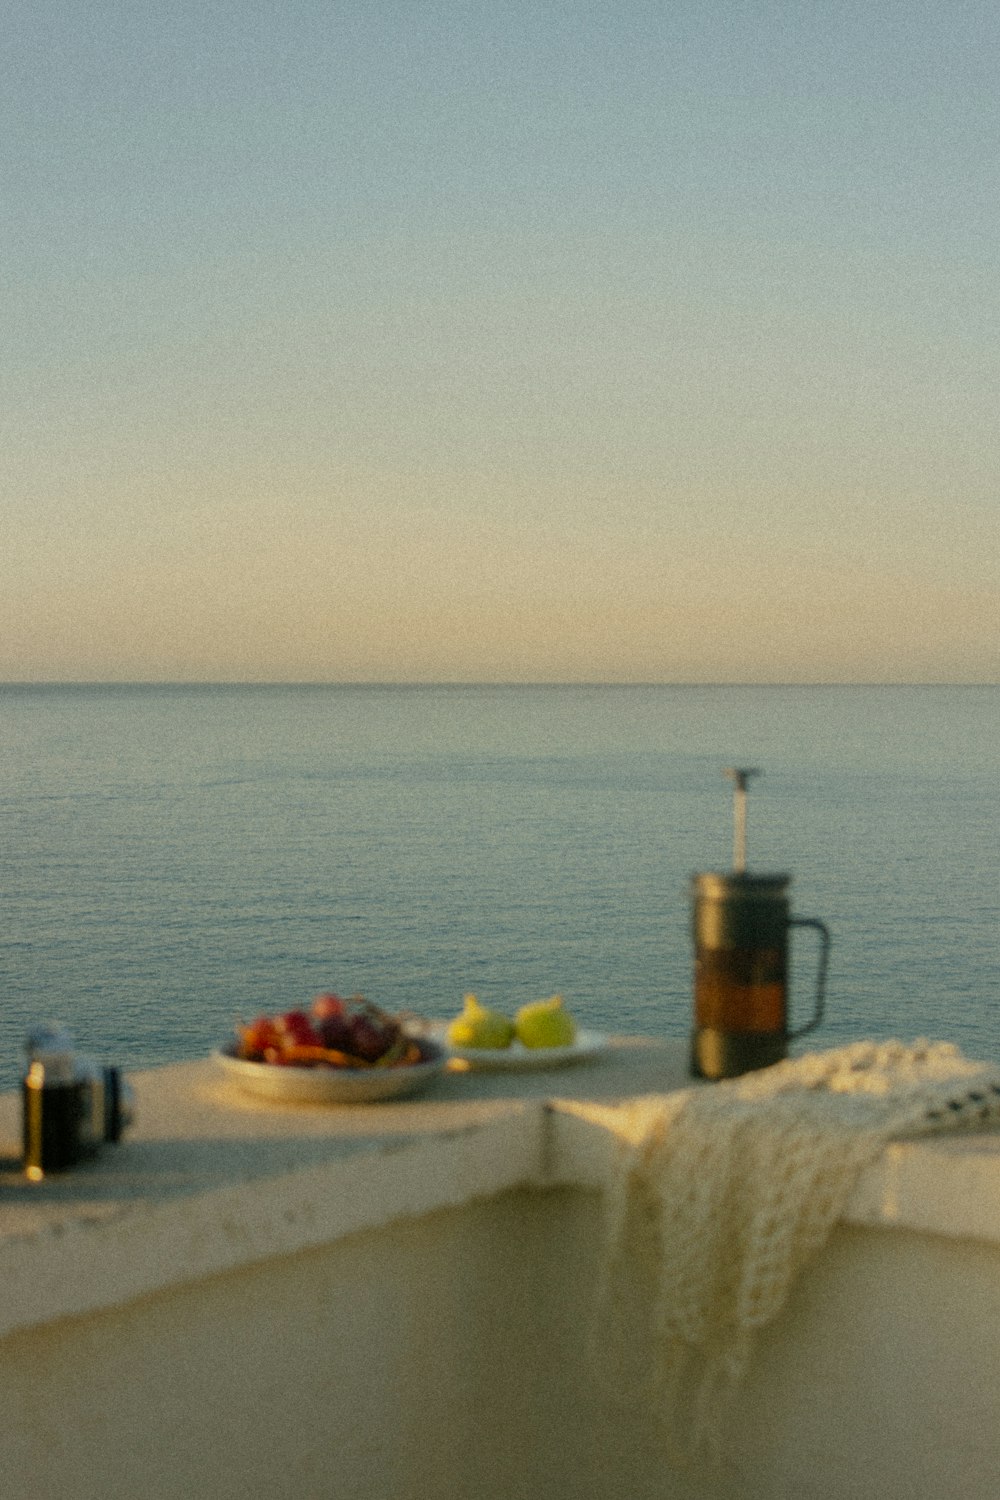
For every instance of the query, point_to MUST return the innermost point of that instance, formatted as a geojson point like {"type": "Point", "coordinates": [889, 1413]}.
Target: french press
{"type": "Point", "coordinates": [740, 924]}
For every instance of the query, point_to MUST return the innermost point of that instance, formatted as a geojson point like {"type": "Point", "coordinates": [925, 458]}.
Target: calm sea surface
{"type": "Point", "coordinates": [173, 858]}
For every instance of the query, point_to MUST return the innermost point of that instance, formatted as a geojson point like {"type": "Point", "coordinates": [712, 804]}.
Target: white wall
{"type": "Point", "coordinates": [444, 1357]}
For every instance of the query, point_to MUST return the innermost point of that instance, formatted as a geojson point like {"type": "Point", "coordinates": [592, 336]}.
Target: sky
{"type": "Point", "coordinates": [442, 341]}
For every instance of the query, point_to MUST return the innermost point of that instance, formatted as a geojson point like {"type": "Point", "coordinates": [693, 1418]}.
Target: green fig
{"type": "Point", "coordinates": [479, 1027]}
{"type": "Point", "coordinates": [545, 1023]}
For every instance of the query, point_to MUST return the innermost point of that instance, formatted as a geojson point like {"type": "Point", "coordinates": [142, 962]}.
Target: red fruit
{"type": "Point", "coordinates": [260, 1037]}
{"type": "Point", "coordinates": [297, 1026]}
{"type": "Point", "coordinates": [328, 1005]}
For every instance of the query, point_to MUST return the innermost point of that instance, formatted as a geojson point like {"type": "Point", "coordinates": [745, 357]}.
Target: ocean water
{"type": "Point", "coordinates": [174, 858]}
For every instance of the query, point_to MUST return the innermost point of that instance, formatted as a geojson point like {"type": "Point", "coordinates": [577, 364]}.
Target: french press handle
{"type": "Point", "coordinates": [824, 960]}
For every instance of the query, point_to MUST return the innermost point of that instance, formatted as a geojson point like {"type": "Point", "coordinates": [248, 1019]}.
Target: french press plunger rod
{"type": "Point", "coordinates": [740, 775]}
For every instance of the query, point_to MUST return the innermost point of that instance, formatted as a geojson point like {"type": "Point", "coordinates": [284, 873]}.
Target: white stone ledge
{"type": "Point", "coordinates": [948, 1186]}
{"type": "Point", "coordinates": [81, 1263]}
{"type": "Point", "coordinates": [211, 1180]}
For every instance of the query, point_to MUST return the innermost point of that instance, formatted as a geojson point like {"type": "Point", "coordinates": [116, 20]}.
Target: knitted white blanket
{"type": "Point", "coordinates": [726, 1192]}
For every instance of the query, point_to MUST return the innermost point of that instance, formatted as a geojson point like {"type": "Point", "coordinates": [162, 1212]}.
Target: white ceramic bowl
{"type": "Point", "coordinates": [319, 1085]}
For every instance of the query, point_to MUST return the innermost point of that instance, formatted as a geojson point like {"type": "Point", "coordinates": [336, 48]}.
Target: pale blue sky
{"type": "Point", "coordinates": [465, 341]}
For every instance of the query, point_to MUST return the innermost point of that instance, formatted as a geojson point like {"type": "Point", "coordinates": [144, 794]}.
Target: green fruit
{"type": "Point", "coordinates": [479, 1027]}
{"type": "Point", "coordinates": [545, 1024]}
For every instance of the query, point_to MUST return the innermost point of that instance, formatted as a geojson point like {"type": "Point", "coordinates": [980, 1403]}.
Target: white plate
{"type": "Point", "coordinates": [517, 1057]}
{"type": "Point", "coordinates": [294, 1085]}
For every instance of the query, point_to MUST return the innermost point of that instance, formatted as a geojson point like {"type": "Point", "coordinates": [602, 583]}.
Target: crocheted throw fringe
{"type": "Point", "coordinates": [728, 1190]}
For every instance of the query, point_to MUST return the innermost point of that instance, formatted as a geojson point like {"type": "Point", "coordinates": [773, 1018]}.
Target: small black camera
{"type": "Point", "coordinates": [71, 1106]}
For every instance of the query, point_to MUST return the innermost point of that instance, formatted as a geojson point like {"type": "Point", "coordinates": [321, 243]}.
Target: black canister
{"type": "Point", "coordinates": [70, 1105]}
{"type": "Point", "coordinates": [53, 1105]}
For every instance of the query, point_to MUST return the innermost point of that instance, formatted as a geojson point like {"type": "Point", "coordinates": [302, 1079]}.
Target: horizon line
{"type": "Point", "coordinates": [376, 682]}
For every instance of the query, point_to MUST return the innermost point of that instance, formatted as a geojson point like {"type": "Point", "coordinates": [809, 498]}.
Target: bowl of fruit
{"type": "Point", "coordinates": [339, 1051]}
